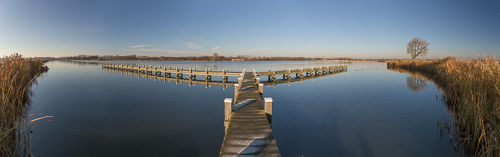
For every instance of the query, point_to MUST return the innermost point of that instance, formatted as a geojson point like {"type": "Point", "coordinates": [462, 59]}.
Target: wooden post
{"type": "Point", "coordinates": [206, 74]}
{"type": "Point", "coordinates": [274, 74]}
{"type": "Point", "coordinates": [289, 73]}
{"type": "Point", "coordinates": [236, 91]}
{"type": "Point", "coordinates": [261, 88]}
{"type": "Point", "coordinates": [301, 72]}
{"type": "Point", "coordinates": [164, 72]}
{"type": "Point", "coordinates": [284, 75]}
{"type": "Point", "coordinates": [257, 80]}
{"type": "Point", "coordinates": [176, 72]}
{"type": "Point", "coordinates": [239, 80]}
{"type": "Point", "coordinates": [268, 107]}
{"type": "Point", "coordinates": [190, 73]}
{"type": "Point", "coordinates": [228, 107]}
{"type": "Point", "coordinates": [224, 76]}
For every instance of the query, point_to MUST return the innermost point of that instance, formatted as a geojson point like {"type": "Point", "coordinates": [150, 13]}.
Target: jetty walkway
{"type": "Point", "coordinates": [248, 123]}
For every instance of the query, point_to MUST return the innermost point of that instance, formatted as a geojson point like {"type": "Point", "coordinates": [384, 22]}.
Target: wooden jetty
{"type": "Point", "coordinates": [211, 83]}
{"type": "Point", "coordinates": [208, 73]}
{"type": "Point", "coordinates": [248, 123]}
{"type": "Point", "coordinates": [177, 80]}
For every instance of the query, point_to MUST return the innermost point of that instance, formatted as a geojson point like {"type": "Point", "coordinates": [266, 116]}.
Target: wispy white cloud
{"type": "Point", "coordinates": [251, 50]}
{"type": "Point", "coordinates": [137, 46]}
{"type": "Point", "coordinates": [216, 48]}
{"type": "Point", "coordinates": [194, 46]}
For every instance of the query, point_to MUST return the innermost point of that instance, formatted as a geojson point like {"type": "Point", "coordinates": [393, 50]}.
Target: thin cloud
{"type": "Point", "coordinates": [137, 46]}
{"type": "Point", "coordinates": [216, 48]}
{"type": "Point", "coordinates": [194, 46]}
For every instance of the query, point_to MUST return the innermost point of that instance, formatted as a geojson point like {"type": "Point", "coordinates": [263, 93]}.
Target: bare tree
{"type": "Point", "coordinates": [215, 57]}
{"type": "Point", "coordinates": [417, 47]}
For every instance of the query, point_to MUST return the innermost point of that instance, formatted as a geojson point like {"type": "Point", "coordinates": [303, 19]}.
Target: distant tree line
{"type": "Point", "coordinates": [214, 57]}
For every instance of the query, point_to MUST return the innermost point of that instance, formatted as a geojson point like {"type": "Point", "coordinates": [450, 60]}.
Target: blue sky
{"type": "Point", "coordinates": [357, 29]}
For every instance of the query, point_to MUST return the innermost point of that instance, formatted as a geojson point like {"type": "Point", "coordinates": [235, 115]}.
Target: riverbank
{"type": "Point", "coordinates": [17, 74]}
{"type": "Point", "coordinates": [473, 96]}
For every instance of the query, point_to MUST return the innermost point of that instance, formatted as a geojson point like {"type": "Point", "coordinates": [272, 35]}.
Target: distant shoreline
{"type": "Point", "coordinates": [214, 57]}
{"type": "Point", "coordinates": [366, 60]}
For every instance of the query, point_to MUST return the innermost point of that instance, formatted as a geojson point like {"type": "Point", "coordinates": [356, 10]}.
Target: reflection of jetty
{"type": "Point", "coordinates": [247, 122]}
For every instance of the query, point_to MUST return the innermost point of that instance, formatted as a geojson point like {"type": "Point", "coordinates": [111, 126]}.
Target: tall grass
{"type": "Point", "coordinates": [16, 77]}
{"type": "Point", "coordinates": [472, 95]}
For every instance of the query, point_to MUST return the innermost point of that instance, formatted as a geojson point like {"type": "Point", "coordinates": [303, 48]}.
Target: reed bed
{"type": "Point", "coordinates": [17, 74]}
{"type": "Point", "coordinates": [472, 94]}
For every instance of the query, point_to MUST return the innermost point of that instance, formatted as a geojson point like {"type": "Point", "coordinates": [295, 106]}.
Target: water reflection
{"type": "Point", "coordinates": [447, 127]}
{"type": "Point", "coordinates": [416, 84]}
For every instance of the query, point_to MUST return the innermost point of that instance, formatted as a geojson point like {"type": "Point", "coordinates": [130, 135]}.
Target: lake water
{"type": "Point", "coordinates": [366, 111]}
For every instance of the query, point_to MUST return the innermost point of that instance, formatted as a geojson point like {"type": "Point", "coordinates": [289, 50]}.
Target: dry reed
{"type": "Point", "coordinates": [16, 77]}
{"type": "Point", "coordinates": [472, 94]}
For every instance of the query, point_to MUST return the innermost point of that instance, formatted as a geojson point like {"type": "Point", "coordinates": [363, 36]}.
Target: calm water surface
{"type": "Point", "coordinates": [367, 111]}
